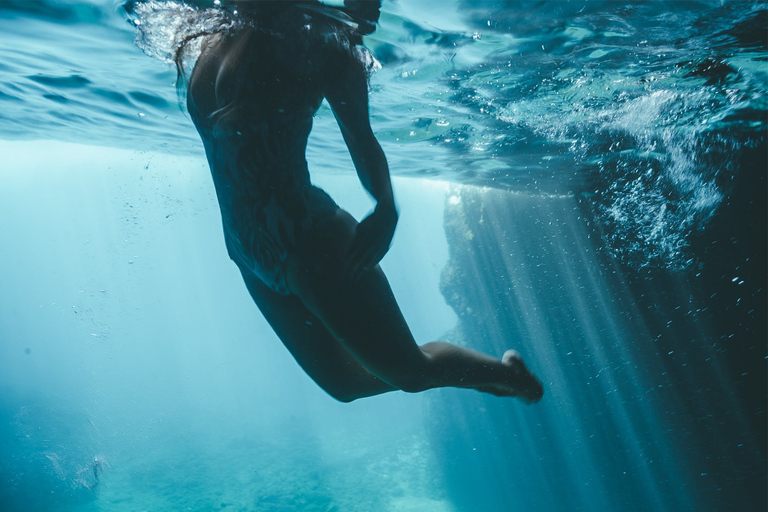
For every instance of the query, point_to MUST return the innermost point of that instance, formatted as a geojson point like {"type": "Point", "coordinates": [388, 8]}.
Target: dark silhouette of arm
{"type": "Point", "coordinates": [347, 94]}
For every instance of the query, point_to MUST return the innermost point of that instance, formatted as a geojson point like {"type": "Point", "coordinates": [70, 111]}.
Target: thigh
{"type": "Point", "coordinates": [310, 343]}
{"type": "Point", "coordinates": [362, 314]}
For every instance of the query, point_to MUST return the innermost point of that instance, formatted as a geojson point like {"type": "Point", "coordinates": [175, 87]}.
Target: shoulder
{"type": "Point", "coordinates": [207, 75]}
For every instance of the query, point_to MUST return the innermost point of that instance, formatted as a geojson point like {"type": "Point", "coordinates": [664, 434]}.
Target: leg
{"type": "Point", "coordinates": [318, 353]}
{"type": "Point", "coordinates": [365, 318]}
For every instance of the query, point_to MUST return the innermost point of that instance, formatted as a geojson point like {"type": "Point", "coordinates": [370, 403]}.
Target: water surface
{"type": "Point", "coordinates": [588, 178]}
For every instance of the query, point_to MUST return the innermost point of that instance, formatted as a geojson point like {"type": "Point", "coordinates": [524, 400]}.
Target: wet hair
{"type": "Point", "coordinates": [172, 30]}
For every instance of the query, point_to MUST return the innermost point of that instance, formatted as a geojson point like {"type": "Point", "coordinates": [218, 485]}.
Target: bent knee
{"type": "Point", "coordinates": [344, 398]}
{"type": "Point", "coordinates": [410, 383]}
{"type": "Point", "coordinates": [339, 393]}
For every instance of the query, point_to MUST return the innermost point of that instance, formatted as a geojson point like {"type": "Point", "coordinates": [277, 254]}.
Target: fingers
{"type": "Point", "coordinates": [363, 256]}
{"type": "Point", "coordinates": [355, 258]}
{"type": "Point", "coordinates": [370, 243]}
{"type": "Point", "coordinates": [356, 248]}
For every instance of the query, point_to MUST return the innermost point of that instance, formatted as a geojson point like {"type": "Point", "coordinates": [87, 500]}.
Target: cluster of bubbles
{"type": "Point", "coordinates": [162, 27]}
{"type": "Point", "coordinates": [647, 134]}
{"type": "Point", "coordinates": [663, 190]}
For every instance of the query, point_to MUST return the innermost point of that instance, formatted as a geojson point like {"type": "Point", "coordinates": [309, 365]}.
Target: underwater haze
{"type": "Point", "coordinates": [583, 181]}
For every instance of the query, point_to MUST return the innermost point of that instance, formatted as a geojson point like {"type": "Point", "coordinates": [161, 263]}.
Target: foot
{"type": "Point", "coordinates": [522, 383]}
{"type": "Point", "coordinates": [528, 386]}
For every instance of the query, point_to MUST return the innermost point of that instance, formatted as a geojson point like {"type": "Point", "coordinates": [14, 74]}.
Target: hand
{"type": "Point", "coordinates": [371, 240]}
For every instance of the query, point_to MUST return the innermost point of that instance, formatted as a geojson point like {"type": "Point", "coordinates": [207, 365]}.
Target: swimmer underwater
{"type": "Point", "coordinates": [263, 70]}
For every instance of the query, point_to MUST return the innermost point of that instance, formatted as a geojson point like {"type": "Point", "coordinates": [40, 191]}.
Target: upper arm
{"type": "Point", "coordinates": [347, 94]}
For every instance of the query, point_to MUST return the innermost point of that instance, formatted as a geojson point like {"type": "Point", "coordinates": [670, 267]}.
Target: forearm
{"type": "Point", "coordinates": [373, 171]}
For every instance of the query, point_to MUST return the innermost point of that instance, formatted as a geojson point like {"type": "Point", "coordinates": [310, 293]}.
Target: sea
{"type": "Point", "coordinates": [583, 181]}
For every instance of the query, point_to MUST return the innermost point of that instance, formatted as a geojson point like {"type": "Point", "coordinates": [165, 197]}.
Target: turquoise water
{"type": "Point", "coordinates": [582, 181]}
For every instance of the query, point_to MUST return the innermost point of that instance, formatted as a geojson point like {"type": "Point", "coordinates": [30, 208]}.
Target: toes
{"type": "Point", "coordinates": [511, 357]}
{"type": "Point", "coordinates": [528, 386]}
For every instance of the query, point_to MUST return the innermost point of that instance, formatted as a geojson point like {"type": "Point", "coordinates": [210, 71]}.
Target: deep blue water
{"type": "Point", "coordinates": [595, 170]}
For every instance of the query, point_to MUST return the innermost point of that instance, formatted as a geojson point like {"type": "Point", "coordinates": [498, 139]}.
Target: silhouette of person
{"type": "Point", "coordinates": [310, 267]}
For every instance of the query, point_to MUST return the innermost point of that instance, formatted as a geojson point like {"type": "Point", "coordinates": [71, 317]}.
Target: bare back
{"type": "Point", "coordinates": [256, 97]}
{"type": "Point", "coordinates": [252, 96]}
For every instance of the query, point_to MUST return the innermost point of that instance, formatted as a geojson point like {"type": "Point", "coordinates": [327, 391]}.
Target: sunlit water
{"type": "Point", "coordinates": [627, 144]}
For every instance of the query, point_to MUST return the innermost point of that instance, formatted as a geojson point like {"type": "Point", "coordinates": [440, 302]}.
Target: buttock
{"type": "Point", "coordinates": [262, 243]}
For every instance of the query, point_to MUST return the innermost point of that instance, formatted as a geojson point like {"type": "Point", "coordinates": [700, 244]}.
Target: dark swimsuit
{"type": "Point", "coordinates": [266, 207]}
{"type": "Point", "coordinates": [256, 145]}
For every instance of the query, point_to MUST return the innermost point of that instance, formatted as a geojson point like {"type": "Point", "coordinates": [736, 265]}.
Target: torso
{"type": "Point", "coordinates": [252, 97]}
{"type": "Point", "coordinates": [269, 97]}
